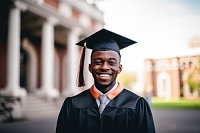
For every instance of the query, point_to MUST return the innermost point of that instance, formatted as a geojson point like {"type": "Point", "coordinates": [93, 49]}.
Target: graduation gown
{"type": "Point", "coordinates": [126, 113]}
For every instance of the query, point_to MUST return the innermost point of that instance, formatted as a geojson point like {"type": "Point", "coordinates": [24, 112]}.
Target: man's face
{"type": "Point", "coordinates": [105, 66]}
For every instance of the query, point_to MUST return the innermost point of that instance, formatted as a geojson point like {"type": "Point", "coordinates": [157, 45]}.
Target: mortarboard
{"type": "Point", "coordinates": [101, 40]}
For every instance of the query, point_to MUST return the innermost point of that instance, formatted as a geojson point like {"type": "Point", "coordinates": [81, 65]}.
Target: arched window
{"type": "Point", "coordinates": [164, 85]}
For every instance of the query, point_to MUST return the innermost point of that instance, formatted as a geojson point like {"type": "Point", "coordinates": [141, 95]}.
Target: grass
{"type": "Point", "coordinates": [181, 103]}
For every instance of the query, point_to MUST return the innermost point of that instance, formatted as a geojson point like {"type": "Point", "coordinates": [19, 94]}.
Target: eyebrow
{"type": "Point", "coordinates": [108, 59]}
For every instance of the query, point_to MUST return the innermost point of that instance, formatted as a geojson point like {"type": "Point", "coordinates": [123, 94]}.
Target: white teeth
{"type": "Point", "coordinates": [104, 75]}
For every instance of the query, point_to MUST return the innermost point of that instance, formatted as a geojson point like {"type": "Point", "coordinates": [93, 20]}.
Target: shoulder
{"type": "Point", "coordinates": [134, 97]}
{"type": "Point", "coordinates": [80, 100]}
{"type": "Point", "coordinates": [78, 96]}
{"type": "Point", "coordinates": [139, 101]}
{"type": "Point", "coordinates": [130, 94]}
{"type": "Point", "coordinates": [127, 99]}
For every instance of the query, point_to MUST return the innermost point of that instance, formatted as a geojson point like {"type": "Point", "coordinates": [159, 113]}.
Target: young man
{"type": "Point", "coordinates": [106, 107]}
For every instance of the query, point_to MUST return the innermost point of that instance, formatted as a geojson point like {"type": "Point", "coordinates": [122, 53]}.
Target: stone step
{"type": "Point", "coordinates": [36, 107]}
{"type": "Point", "coordinates": [41, 114]}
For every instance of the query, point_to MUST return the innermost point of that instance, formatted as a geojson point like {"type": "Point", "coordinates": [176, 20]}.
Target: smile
{"type": "Point", "coordinates": [104, 75]}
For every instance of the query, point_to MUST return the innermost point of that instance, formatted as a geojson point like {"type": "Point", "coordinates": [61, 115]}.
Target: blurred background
{"type": "Point", "coordinates": [39, 59]}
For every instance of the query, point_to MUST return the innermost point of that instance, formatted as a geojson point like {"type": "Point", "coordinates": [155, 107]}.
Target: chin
{"type": "Point", "coordinates": [101, 83]}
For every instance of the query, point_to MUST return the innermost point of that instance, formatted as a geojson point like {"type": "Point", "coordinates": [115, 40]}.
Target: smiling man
{"type": "Point", "coordinates": [105, 66]}
{"type": "Point", "coordinates": [106, 107]}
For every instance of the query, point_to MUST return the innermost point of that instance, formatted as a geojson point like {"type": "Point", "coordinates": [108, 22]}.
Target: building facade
{"type": "Point", "coordinates": [168, 76]}
{"type": "Point", "coordinates": [37, 45]}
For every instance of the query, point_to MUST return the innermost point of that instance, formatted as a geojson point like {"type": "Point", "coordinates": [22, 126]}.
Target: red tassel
{"type": "Point", "coordinates": [81, 81]}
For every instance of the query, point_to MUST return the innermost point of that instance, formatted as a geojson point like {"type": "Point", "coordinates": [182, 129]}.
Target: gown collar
{"type": "Point", "coordinates": [110, 95]}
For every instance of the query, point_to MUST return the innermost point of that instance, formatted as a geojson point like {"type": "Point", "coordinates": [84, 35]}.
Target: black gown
{"type": "Point", "coordinates": [126, 113]}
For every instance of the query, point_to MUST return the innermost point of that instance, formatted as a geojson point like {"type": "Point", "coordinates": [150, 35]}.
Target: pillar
{"type": "Point", "coordinates": [13, 88]}
{"type": "Point", "coordinates": [48, 89]}
{"type": "Point", "coordinates": [89, 80]}
{"type": "Point", "coordinates": [13, 54]}
{"type": "Point", "coordinates": [72, 62]}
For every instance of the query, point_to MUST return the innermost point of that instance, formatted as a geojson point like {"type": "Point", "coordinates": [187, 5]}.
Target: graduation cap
{"type": "Point", "coordinates": [102, 40]}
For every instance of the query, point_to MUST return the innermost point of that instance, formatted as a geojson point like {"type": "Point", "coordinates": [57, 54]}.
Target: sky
{"type": "Point", "coordinates": [162, 28]}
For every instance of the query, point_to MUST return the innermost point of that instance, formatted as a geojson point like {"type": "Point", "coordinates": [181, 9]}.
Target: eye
{"type": "Point", "coordinates": [97, 62]}
{"type": "Point", "coordinates": [112, 63]}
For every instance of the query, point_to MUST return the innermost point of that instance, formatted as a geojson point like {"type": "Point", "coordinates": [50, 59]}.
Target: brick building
{"type": "Point", "coordinates": [168, 75]}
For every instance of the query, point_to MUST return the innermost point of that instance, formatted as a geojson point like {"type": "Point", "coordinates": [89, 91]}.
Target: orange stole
{"type": "Point", "coordinates": [110, 95]}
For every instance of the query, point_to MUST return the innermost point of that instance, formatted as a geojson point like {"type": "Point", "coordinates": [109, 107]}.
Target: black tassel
{"type": "Point", "coordinates": [81, 81]}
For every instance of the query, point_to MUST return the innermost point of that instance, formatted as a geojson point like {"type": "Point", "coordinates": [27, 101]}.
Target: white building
{"type": "Point", "coordinates": [37, 46]}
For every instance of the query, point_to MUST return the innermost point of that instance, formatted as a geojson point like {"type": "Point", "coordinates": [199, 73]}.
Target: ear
{"type": "Point", "coordinates": [90, 68]}
{"type": "Point", "coordinates": [120, 69]}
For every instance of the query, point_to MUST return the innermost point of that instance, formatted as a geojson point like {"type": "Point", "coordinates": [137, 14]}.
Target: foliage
{"type": "Point", "coordinates": [127, 79]}
{"type": "Point", "coordinates": [193, 79]}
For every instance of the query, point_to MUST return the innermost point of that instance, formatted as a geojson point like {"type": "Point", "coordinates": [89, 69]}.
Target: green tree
{"type": "Point", "coordinates": [127, 79]}
{"type": "Point", "coordinates": [193, 79]}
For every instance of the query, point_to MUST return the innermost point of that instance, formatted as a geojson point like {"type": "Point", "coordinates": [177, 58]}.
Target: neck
{"type": "Point", "coordinates": [104, 88]}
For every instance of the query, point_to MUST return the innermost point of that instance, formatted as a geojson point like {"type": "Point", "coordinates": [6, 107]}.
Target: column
{"type": "Point", "coordinates": [72, 62]}
{"type": "Point", "coordinates": [47, 50]}
{"type": "Point", "coordinates": [13, 53]}
{"type": "Point", "coordinates": [89, 80]}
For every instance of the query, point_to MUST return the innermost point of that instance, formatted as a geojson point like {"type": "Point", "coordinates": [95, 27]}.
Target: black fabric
{"type": "Point", "coordinates": [107, 45]}
{"type": "Point", "coordinates": [106, 40]}
{"type": "Point", "coordinates": [126, 113]}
